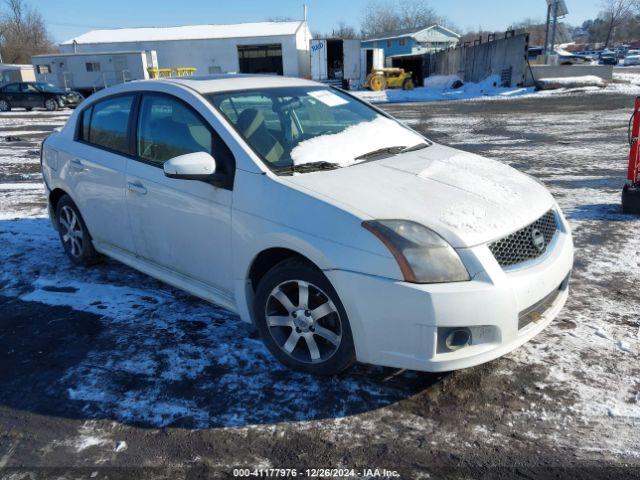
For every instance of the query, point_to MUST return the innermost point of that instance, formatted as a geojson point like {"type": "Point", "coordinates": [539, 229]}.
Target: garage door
{"type": "Point", "coordinates": [260, 58]}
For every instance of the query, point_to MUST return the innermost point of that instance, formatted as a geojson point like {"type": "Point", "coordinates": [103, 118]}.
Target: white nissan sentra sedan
{"type": "Point", "coordinates": [340, 233]}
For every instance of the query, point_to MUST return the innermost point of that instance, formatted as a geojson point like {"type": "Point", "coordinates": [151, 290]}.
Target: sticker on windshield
{"type": "Point", "coordinates": [330, 99]}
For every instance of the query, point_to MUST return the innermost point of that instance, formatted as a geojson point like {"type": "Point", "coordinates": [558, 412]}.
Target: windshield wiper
{"type": "Point", "coordinates": [380, 153]}
{"type": "Point", "coordinates": [306, 168]}
{"type": "Point", "coordinates": [415, 148]}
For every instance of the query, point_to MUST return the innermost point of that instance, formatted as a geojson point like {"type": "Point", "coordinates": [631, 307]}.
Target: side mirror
{"type": "Point", "coordinates": [192, 166]}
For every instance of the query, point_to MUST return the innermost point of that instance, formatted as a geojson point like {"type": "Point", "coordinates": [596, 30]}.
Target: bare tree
{"type": "Point", "coordinates": [416, 14]}
{"type": "Point", "coordinates": [614, 13]}
{"type": "Point", "coordinates": [345, 31]}
{"type": "Point", "coordinates": [23, 33]}
{"type": "Point", "coordinates": [379, 17]}
{"type": "Point", "coordinates": [386, 16]}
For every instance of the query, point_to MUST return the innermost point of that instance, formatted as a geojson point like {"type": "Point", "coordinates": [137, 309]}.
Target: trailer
{"type": "Point", "coordinates": [89, 72]}
{"type": "Point", "coordinates": [10, 73]}
{"type": "Point", "coordinates": [342, 63]}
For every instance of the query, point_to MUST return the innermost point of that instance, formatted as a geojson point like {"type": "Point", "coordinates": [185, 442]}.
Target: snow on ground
{"type": "Point", "coordinates": [438, 89]}
{"type": "Point", "coordinates": [633, 78]}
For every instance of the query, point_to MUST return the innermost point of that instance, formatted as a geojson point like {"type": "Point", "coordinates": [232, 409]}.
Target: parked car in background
{"type": "Point", "coordinates": [608, 59]}
{"type": "Point", "coordinates": [338, 232]}
{"type": "Point", "coordinates": [32, 95]}
{"type": "Point", "coordinates": [631, 60]}
{"type": "Point", "coordinates": [592, 54]}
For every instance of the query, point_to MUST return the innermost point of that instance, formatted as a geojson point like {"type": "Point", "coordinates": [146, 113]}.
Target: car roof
{"type": "Point", "coordinates": [231, 82]}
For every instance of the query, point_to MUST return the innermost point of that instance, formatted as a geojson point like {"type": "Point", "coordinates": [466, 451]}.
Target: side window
{"type": "Point", "coordinates": [13, 88]}
{"type": "Point", "coordinates": [29, 88]}
{"type": "Point", "coordinates": [85, 122]}
{"type": "Point", "coordinates": [108, 123]}
{"type": "Point", "coordinates": [168, 128]}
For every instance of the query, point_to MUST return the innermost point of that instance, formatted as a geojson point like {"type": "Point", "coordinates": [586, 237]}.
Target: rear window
{"type": "Point", "coordinates": [106, 124]}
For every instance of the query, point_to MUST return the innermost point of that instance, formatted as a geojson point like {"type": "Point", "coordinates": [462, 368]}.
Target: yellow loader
{"type": "Point", "coordinates": [382, 78]}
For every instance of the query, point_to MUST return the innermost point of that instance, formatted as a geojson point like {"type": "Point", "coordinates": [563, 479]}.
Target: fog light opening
{"type": "Point", "coordinates": [458, 339]}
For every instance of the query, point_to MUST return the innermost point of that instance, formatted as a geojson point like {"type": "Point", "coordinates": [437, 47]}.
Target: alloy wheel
{"type": "Point", "coordinates": [72, 233]}
{"type": "Point", "coordinates": [303, 321]}
{"type": "Point", "coordinates": [51, 105]}
{"type": "Point", "coordinates": [4, 106]}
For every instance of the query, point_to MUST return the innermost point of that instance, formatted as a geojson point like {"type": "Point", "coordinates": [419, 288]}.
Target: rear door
{"type": "Point", "coordinates": [181, 225]}
{"type": "Point", "coordinates": [31, 96]}
{"type": "Point", "coordinates": [13, 95]}
{"type": "Point", "coordinates": [95, 171]}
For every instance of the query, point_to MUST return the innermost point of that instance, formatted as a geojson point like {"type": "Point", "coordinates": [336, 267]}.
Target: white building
{"type": "Point", "coordinates": [88, 72]}
{"type": "Point", "coordinates": [264, 47]}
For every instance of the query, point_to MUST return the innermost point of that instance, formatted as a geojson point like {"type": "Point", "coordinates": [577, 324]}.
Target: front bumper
{"type": "Point", "coordinates": [70, 101]}
{"type": "Point", "coordinates": [396, 324]}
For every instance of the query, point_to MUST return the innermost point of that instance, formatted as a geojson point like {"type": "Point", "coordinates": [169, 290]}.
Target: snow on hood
{"type": "Point", "coordinates": [468, 199]}
{"type": "Point", "coordinates": [343, 148]}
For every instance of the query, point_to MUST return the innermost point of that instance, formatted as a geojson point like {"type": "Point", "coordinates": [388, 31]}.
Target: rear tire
{"type": "Point", "coordinates": [74, 234]}
{"type": "Point", "coordinates": [51, 105]}
{"type": "Point", "coordinates": [5, 106]}
{"type": "Point", "coordinates": [302, 321]}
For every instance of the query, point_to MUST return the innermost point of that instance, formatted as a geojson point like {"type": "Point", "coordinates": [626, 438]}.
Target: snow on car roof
{"type": "Point", "coordinates": [187, 32]}
{"type": "Point", "coordinates": [231, 82]}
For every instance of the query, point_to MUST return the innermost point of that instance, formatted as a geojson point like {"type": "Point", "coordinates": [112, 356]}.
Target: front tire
{"type": "Point", "coordinates": [74, 234]}
{"type": "Point", "coordinates": [51, 105]}
{"type": "Point", "coordinates": [5, 106]}
{"type": "Point", "coordinates": [302, 321]}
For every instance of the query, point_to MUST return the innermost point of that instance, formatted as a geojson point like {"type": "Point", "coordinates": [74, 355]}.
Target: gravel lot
{"type": "Point", "coordinates": [106, 373]}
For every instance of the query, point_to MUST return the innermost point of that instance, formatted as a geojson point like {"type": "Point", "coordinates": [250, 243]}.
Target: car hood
{"type": "Point", "coordinates": [466, 198]}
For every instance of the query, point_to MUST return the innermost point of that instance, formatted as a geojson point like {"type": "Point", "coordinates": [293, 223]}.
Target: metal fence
{"type": "Point", "coordinates": [505, 57]}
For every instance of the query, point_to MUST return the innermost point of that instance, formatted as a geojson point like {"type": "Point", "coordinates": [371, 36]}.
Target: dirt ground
{"type": "Point", "coordinates": [106, 373]}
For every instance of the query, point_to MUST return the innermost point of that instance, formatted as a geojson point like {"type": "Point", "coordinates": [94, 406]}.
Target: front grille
{"type": "Point", "coordinates": [529, 243]}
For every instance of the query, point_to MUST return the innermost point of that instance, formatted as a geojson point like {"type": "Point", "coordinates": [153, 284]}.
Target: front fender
{"type": "Point", "coordinates": [325, 254]}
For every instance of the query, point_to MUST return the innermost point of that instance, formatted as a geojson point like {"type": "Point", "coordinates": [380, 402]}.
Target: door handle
{"type": "Point", "coordinates": [77, 165]}
{"type": "Point", "coordinates": [137, 187]}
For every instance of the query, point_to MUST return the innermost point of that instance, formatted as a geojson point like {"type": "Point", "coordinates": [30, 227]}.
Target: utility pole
{"type": "Point", "coordinates": [546, 33]}
{"type": "Point", "coordinates": [555, 9]}
{"type": "Point", "coordinates": [555, 25]}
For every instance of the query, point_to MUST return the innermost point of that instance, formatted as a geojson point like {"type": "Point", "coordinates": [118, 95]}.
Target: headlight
{"type": "Point", "coordinates": [422, 255]}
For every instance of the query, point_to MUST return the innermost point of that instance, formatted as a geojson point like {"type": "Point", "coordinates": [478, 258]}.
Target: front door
{"type": "Point", "coordinates": [181, 225]}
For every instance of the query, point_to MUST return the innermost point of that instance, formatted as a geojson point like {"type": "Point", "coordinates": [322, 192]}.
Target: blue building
{"type": "Point", "coordinates": [415, 41]}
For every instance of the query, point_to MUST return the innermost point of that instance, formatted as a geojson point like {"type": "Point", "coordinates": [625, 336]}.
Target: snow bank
{"type": "Point", "coordinates": [569, 82]}
{"type": "Point", "coordinates": [443, 82]}
{"type": "Point", "coordinates": [343, 148]}
{"type": "Point", "coordinates": [438, 88]}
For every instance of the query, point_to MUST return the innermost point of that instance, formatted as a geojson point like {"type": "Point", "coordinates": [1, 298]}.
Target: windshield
{"type": "Point", "coordinates": [47, 87]}
{"type": "Point", "coordinates": [301, 129]}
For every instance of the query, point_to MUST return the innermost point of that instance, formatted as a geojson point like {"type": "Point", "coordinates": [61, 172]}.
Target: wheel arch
{"type": "Point", "coordinates": [263, 261]}
{"type": "Point", "coordinates": [55, 196]}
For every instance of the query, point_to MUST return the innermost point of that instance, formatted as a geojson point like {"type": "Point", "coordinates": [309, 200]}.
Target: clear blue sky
{"type": "Point", "coordinates": [69, 18]}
